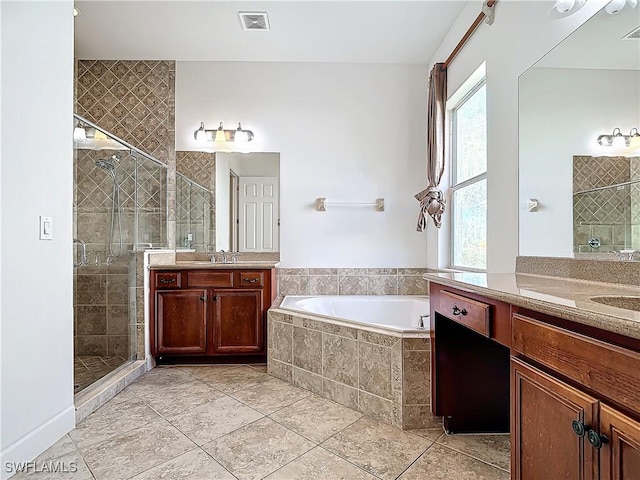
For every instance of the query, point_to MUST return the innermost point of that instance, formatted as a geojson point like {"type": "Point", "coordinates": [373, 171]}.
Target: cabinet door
{"type": "Point", "coordinates": [620, 458]}
{"type": "Point", "coordinates": [181, 321]}
{"type": "Point", "coordinates": [238, 323]}
{"type": "Point", "coordinates": [543, 442]}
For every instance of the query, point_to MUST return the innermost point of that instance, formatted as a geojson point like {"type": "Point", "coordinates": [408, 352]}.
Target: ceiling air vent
{"type": "Point", "coordinates": [635, 34]}
{"type": "Point", "coordinates": [254, 20]}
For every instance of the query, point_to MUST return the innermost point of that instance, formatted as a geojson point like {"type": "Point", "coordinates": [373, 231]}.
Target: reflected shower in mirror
{"type": "Point", "coordinates": [585, 87]}
{"type": "Point", "coordinates": [241, 191]}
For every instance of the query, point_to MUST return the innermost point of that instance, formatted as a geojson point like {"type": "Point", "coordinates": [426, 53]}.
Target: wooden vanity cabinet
{"type": "Point", "coordinates": [210, 315]}
{"type": "Point", "coordinates": [573, 400]}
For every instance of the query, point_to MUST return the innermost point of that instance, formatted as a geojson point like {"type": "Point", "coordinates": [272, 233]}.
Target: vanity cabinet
{"type": "Point", "coordinates": [212, 315]}
{"type": "Point", "coordinates": [573, 399]}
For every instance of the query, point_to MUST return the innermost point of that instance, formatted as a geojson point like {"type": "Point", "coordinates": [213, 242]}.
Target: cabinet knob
{"type": "Point", "coordinates": [578, 428]}
{"type": "Point", "coordinates": [203, 298]}
{"type": "Point", "coordinates": [596, 439]}
{"type": "Point", "coordinates": [456, 311]}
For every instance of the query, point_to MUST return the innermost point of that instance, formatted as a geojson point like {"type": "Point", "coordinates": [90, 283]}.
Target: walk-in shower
{"type": "Point", "coordinates": [120, 208]}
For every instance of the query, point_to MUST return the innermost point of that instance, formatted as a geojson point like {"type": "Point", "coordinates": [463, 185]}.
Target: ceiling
{"type": "Point", "coordinates": [599, 44]}
{"type": "Point", "coordinates": [405, 32]}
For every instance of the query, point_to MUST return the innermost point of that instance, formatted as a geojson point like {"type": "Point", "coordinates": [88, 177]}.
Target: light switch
{"type": "Point", "coordinates": [46, 228]}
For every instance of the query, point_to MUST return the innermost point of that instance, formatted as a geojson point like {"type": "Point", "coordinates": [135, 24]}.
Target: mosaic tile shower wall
{"type": "Point", "coordinates": [610, 215]}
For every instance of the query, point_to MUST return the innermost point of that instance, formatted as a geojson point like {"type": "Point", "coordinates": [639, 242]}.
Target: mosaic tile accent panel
{"type": "Point", "coordinates": [606, 214]}
{"type": "Point", "coordinates": [135, 100]}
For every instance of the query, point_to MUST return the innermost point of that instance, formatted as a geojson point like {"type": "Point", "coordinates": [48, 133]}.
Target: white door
{"type": "Point", "coordinates": [259, 213]}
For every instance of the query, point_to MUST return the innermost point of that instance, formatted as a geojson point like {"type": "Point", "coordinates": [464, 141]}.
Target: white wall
{"type": "Point", "coordinates": [521, 34]}
{"type": "Point", "coordinates": [36, 360]}
{"type": "Point", "coordinates": [348, 132]}
{"type": "Point", "coordinates": [562, 112]}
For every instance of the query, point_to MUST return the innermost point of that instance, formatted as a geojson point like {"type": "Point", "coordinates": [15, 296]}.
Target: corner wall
{"type": "Point", "coordinates": [521, 34]}
{"type": "Point", "coordinates": [36, 360]}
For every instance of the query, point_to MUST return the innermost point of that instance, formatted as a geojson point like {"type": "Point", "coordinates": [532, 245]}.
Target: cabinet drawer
{"type": "Point", "coordinates": [470, 313]}
{"type": "Point", "coordinates": [168, 280]}
{"type": "Point", "coordinates": [251, 279]}
{"type": "Point", "coordinates": [198, 278]}
{"type": "Point", "coordinates": [612, 371]}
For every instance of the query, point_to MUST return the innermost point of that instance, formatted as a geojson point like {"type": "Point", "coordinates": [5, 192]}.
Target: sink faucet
{"type": "Point", "coordinates": [224, 256]}
{"type": "Point", "coordinates": [625, 254]}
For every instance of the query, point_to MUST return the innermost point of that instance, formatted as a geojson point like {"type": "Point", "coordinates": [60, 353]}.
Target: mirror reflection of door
{"type": "Point", "coordinates": [258, 214]}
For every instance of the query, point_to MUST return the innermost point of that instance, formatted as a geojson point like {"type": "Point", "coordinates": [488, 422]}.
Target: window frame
{"type": "Point", "coordinates": [455, 187]}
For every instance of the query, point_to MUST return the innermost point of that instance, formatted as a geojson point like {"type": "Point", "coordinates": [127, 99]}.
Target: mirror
{"type": "Point", "coordinates": [585, 87]}
{"type": "Point", "coordinates": [228, 201]}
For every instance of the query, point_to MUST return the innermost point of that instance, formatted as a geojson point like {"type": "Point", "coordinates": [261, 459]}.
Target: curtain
{"type": "Point", "coordinates": [431, 199]}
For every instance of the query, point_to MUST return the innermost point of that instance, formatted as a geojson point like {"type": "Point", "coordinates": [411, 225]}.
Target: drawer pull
{"type": "Point", "coordinates": [596, 439]}
{"type": "Point", "coordinates": [167, 280]}
{"type": "Point", "coordinates": [578, 428]}
{"type": "Point", "coordinates": [249, 280]}
{"type": "Point", "coordinates": [456, 311]}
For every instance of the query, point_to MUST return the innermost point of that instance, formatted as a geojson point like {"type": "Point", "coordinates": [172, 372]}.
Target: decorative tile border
{"type": "Point", "coordinates": [352, 281]}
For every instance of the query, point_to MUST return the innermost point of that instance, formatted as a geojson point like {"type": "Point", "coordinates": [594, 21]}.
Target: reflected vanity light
{"type": "Point", "coordinates": [618, 140]}
{"type": "Point", "coordinates": [564, 8]}
{"type": "Point", "coordinates": [220, 135]}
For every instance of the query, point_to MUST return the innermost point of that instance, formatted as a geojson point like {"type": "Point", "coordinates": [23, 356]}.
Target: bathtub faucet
{"type": "Point", "coordinates": [421, 322]}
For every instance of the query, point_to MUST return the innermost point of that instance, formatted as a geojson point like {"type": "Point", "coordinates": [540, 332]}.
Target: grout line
{"type": "Point", "coordinates": [470, 455]}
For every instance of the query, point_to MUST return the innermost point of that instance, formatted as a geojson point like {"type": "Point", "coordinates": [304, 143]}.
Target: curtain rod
{"type": "Point", "coordinates": [489, 4]}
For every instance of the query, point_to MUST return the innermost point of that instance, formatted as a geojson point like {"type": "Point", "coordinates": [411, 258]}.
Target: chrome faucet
{"type": "Point", "coordinates": [224, 256]}
{"type": "Point", "coordinates": [627, 255]}
{"type": "Point", "coordinates": [421, 325]}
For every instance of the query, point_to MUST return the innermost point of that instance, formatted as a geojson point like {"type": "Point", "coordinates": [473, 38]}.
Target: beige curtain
{"type": "Point", "coordinates": [431, 198]}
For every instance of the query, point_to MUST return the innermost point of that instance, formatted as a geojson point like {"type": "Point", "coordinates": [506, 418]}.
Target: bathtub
{"type": "Point", "coordinates": [400, 313]}
{"type": "Point", "coordinates": [364, 352]}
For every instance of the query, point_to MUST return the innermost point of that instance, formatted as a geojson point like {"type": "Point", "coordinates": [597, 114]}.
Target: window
{"type": "Point", "coordinates": [469, 181]}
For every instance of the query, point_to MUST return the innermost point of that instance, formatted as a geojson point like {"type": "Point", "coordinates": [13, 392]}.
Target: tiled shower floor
{"type": "Point", "coordinates": [87, 370]}
{"type": "Point", "coordinates": [237, 422]}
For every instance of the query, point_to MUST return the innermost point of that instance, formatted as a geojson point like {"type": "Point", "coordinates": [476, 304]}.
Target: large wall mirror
{"type": "Point", "coordinates": [578, 196]}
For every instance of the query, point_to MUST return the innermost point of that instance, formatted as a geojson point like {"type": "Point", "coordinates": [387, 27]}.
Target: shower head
{"type": "Point", "coordinates": [108, 164]}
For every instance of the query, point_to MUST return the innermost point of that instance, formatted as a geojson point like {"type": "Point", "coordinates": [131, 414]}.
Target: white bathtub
{"type": "Point", "coordinates": [400, 313]}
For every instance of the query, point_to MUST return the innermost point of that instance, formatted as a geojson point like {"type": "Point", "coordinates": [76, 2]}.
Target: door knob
{"type": "Point", "coordinates": [578, 428]}
{"type": "Point", "coordinates": [596, 439]}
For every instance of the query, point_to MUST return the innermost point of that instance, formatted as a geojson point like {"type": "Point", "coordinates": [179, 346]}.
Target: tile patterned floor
{"type": "Point", "coordinates": [236, 422]}
{"type": "Point", "coordinates": [87, 370]}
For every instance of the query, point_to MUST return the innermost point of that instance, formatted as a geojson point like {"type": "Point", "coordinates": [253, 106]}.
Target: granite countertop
{"type": "Point", "coordinates": [205, 265]}
{"type": "Point", "coordinates": [562, 297]}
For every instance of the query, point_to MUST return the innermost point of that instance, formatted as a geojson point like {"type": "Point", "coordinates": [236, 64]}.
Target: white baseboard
{"type": "Point", "coordinates": [28, 447]}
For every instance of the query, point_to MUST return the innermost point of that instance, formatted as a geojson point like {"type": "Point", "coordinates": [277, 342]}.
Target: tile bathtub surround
{"type": "Point", "coordinates": [352, 281]}
{"type": "Point", "coordinates": [606, 271]}
{"type": "Point", "coordinates": [309, 437]}
{"type": "Point", "coordinates": [384, 376]}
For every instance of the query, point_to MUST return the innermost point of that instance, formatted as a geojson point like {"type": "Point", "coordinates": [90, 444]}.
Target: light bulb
{"type": "Point", "coordinates": [201, 134]}
{"type": "Point", "coordinates": [79, 133]}
{"type": "Point", "coordinates": [618, 141]}
{"type": "Point", "coordinates": [240, 135]}
{"type": "Point", "coordinates": [614, 6]}
{"type": "Point", "coordinates": [220, 134]}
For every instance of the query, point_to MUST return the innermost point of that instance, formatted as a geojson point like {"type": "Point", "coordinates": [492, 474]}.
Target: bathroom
{"type": "Point", "coordinates": [288, 120]}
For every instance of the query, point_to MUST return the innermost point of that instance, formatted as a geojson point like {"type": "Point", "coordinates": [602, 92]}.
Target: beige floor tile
{"type": "Point", "coordinates": [270, 396]}
{"type": "Point", "coordinates": [430, 433]}
{"type": "Point", "coordinates": [316, 418]}
{"type": "Point", "coordinates": [442, 463]}
{"type": "Point", "coordinates": [257, 450]}
{"type": "Point", "coordinates": [259, 367]}
{"type": "Point", "coordinates": [201, 371]}
{"type": "Point", "coordinates": [136, 451]}
{"type": "Point", "coordinates": [493, 449]}
{"type": "Point", "coordinates": [378, 448]}
{"type": "Point", "coordinates": [177, 399]}
{"type": "Point", "coordinates": [319, 464]}
{"type": "Point", "coordinates": [214, 419]}
{"type": "Point", "coordinates": [229, 380]}
{"type": "Point", "coordinates": [160, 377]}
{"type": "Point", "coordinates": [113, 418]}
{"type": "Point", "coordinates": [193, 465]}
{"type": "Point", "coordinates": [67, 467]}
{"type": "Point", "coordinates": [64, 446]}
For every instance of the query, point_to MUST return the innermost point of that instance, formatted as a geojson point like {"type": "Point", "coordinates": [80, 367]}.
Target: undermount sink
{"type": "Point", "coordinates": [628, 302]}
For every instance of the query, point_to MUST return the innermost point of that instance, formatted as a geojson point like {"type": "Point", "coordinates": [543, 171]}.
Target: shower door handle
{"type": "Point", "coordinates": [83, 255]}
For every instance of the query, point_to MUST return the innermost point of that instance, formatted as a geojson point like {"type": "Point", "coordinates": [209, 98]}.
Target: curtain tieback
{"type": "Point", "coordinates": [432, 203]}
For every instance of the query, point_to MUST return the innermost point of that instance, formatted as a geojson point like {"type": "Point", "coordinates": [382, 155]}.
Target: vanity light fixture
{"type": "Point", "coordinates": [564, 8]}
{"type": "Point", "coordinates": [618, 140]}
{"type": "Point", "coordinates": [220, 135]}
